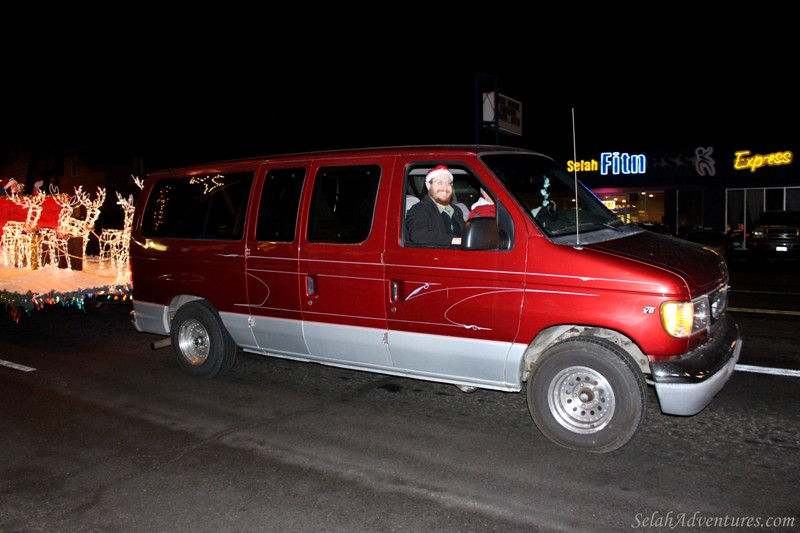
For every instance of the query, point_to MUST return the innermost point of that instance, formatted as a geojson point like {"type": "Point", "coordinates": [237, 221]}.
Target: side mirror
{"type": "Point", "coordinates": [480, 233]}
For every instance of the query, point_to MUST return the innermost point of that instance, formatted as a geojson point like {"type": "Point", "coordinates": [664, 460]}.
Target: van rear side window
{"type": "Point", "coordinates": [280, 203]}
{"type": "Point", "coordinates": [199, 207]}
{"type": "Point", "coordinates": [343, 204]}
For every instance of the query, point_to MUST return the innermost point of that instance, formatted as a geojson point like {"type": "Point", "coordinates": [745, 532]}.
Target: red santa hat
{"type": "Point", "coordinates": [9, 182]}
{"type": "Point", "coordinates": [439, 172]}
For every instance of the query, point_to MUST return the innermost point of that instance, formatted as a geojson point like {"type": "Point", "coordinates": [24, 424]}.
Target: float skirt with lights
{"type": "Point", "coordinates": [18, 305]}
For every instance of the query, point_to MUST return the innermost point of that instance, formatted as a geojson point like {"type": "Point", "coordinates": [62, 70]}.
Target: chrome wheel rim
{"type": "Point", "coordinates": [581, 399]}
{"type": "Point", "coordinates": [193, 342]}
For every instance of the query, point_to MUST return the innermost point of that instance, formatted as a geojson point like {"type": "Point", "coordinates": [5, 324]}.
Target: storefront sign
{"type": "Point", "coordinates": [743, 160]}
{"type": "Point", "coordinates": [611, 163]}
{"type": "Point", "coordinates": [590, 165]}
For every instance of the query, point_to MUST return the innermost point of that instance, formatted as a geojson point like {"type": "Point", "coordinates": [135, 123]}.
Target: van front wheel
{"type": "Point", "coordinates": [203, 346]}
{"type": "Point", "coordinates": [587, 394]}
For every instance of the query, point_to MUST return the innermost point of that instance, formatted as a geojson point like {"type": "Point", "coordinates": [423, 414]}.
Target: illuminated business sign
{"type": "Point", "coordinates": [614, 163]}
{"type": "Point", "coordinates": [744, 161]}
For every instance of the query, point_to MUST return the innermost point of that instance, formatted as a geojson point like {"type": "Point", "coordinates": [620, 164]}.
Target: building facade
{"type": "Point", "coordinates": [712, 187]}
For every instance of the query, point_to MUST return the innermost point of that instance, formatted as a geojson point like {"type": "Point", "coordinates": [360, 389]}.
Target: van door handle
{"type": "Point", "coordinates": [310, 287]}
{"type": "Point", "coordinates": [394, 289]}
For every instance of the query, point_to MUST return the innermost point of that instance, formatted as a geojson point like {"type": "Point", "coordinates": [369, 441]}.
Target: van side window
{"type": "Point", "coordinates": [280, 202]}
{"type": "Point", "coordinates": [199, 207]}
{"type": "Point", "coordinates": [466, 191]}
{"type": "Point", "coordinates": [343, 204]}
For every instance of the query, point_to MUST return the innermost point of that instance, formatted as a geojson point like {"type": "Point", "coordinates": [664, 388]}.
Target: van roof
{"type": "Point", "coordinates": [437, 151]}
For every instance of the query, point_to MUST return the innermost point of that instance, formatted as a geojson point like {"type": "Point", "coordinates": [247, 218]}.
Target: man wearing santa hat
{"type": "Point", "coordinates": [10, 186]}
{"type": "Point", "coordinates": [433, 220]}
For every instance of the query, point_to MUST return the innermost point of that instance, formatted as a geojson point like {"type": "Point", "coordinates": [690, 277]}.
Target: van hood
{"type": "Point", "coordinates": [702, 269]}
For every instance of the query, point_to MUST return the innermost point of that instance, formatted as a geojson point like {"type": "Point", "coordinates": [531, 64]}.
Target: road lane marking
{"type": "Point", "coordinates": [768, 292]}
{"type": "Point", "coordinates": [763, 311]}
{"type": "Point", "coordinates": [768, 370]}
{"type": "Point", "coordinates": [9, 364]}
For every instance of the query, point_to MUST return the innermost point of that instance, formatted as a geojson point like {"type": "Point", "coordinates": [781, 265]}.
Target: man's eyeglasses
{"type": "Point", "coordinates": [446, 183]}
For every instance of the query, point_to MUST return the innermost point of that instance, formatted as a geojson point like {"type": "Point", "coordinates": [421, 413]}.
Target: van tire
{"type": "Point", "coordinates": [203, 346]}
{"type": "Point", "coordinates": [614, 402]}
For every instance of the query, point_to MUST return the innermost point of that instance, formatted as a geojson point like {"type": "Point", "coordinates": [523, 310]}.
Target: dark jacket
{"type": "Point", "coordinates": [425, 225]}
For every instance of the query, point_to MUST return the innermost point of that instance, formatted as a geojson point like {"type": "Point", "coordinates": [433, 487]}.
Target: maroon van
{"type": "Point", "coordinates": [309, 257]}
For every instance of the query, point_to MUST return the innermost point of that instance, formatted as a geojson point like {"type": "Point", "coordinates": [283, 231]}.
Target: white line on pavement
{"type": "Point", "coordinates": [16, 366]}
{"type": "Point", "coordinates": [764, 311]}
{"type": "Point", "coordinates": [768, 370]}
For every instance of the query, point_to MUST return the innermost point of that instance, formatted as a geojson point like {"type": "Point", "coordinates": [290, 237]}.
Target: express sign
{"type": "Point", "coordinates": [743, 160]}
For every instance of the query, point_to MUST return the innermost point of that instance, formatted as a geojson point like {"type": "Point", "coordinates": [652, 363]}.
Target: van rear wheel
{"type": "Point", "coordinates": [587, 394]}
{"type": "Point", "coordinates": [203, 346]}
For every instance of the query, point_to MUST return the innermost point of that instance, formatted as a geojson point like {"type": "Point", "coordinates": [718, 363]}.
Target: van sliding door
{"type": "Point", "coordinates": [273, 286]}
{"type": "Point", "coordinates": [341, 265]}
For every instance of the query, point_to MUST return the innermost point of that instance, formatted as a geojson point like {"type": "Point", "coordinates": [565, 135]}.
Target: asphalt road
{"type": "Point", "coordinates": [101, 433]}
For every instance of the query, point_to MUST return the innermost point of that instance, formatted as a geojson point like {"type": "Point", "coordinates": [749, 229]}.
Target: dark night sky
{"type": "Point", "coordinates": [172, 120]}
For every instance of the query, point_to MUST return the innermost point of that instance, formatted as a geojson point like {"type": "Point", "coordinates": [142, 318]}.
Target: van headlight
{"type": "Point", "coordinates": [683, 319]}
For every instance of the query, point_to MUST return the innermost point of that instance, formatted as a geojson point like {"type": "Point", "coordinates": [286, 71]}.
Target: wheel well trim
{"type": "Point", "coordinates": [555, 334]}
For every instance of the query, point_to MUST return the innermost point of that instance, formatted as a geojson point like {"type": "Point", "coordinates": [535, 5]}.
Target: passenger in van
{"type": "Point", "coordinates": [484, 207]}
{"type": "Point", "coordinates": [434, 220]}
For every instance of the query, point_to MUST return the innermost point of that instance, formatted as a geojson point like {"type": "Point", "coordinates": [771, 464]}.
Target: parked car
{"type": "Point", "coordinates": [776, 236]}
{"type": "Point", "coordinates": [308, 257]}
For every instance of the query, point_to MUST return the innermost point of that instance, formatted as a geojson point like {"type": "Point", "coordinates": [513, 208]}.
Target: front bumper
{"type": "Point", "coordinates": [774, 248]}
{"type": "Point", "coordinates": [687, 385]}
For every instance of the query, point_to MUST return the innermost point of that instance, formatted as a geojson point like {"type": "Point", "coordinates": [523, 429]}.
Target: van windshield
{"type": "Point", "coordinates": [547, 194]}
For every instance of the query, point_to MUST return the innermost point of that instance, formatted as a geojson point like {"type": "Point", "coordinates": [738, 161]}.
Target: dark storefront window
{"type": "Point", "coordinates": [773, 200]}
{"type": "Point", "coordinates": [793, 199]}
{"type": "Point", "coordinates": [690, 211]}
{"type": "Point", "coordinates": [744, 206]}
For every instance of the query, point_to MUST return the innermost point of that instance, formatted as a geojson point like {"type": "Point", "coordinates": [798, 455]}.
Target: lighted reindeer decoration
{"type": "Point", "coordinates": [20, 239]}
{"type": "Point", "coordinates": [115, 243]}
{"type": "Point", "coordinates": [83, 228]}
{"type": "Point", "coordinates": [71, 227]}
{"type": "Point", "coordinates": [54, 240]}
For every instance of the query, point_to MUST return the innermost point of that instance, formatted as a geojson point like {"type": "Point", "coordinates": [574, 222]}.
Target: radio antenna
{"type": "Point", "coordinates": [575, 171]}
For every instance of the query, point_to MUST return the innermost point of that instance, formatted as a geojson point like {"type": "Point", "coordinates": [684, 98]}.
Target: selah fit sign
{"type": "Point", "coordinates": [613, 163]}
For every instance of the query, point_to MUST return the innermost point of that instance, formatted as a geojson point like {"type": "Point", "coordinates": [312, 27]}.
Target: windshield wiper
{"type": "Point", "coordinates": [570, 228]}
{"type": "Point", "coordinates": [614, 224]}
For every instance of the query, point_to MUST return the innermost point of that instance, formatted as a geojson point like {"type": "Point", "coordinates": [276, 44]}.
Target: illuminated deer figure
{"type": "Point", "coordinates": [69, 226]}
{"type": "Point", "coordinates": [19, 238]}
{"type": "Point", "coordinates": [115, 243]}
{"type": "Point", "coordinates": [54, 240]}
{"type": "Point", "coordinates": [83, 228]}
